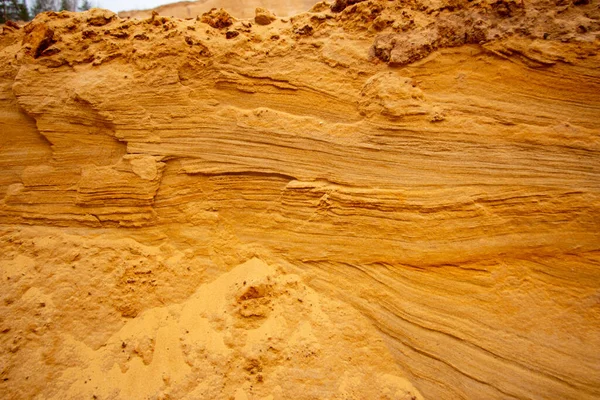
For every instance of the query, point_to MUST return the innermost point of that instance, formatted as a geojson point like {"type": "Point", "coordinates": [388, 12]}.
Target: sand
{"type": "Point", "coordinates": [366, 200]}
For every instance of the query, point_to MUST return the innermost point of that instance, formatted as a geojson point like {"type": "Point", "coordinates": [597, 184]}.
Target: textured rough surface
{"type": "Point", "coordinates": [399, 194]}
{"type": "Point", "coordinates": [238, 8]}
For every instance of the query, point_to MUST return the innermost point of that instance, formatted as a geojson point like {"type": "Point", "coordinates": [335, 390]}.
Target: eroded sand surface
{"type": "Point", "coordinates": [369, 200]}
{"type": "Point", "coordinates": [237, 8]}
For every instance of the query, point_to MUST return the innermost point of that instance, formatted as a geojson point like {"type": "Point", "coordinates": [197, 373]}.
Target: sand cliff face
{"type": "Point", "coordinates": [372, 200]}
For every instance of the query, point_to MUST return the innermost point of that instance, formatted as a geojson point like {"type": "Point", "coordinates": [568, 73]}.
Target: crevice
{"type": "Point", "coordinates": [259, 174]}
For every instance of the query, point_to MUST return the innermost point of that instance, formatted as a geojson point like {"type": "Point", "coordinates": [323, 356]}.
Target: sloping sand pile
{"type": "Point", "coordinates": [368, 200]}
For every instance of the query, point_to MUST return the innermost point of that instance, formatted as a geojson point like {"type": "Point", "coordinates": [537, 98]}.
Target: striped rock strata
{"type": "Point", "coordinates": [413, 187]}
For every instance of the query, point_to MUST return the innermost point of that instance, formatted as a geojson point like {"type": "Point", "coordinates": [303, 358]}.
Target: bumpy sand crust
{"type": "Point", "coordinates": [238, 8]}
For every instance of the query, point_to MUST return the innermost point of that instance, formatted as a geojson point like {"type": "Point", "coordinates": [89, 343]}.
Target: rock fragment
{"type": "Point", "coordinates": [12, 24]}
{"type": "Point", "coordinates": [39, 38]}
{"type": "Point", "coordinates": [218, 19]}
{"type": "Point", "coordinates": [264, 16]}
{"type": "Point", "coordinates": [99, 17]}
{"type": "Point", "coordinates": [340, 5]}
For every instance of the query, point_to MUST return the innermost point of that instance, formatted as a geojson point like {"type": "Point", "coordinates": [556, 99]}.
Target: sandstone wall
{"type": "Point", "coordinates": [428, 174]}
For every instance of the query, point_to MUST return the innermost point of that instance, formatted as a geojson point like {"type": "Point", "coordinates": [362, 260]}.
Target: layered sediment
{"type": "Point", "coordinates": [370, 199]}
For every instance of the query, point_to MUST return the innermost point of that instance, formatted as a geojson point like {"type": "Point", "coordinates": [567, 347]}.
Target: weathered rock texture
{"type": "Point", "coordinates": [316, 208]}
{"type": "Point", "coordinates": [239, 8]}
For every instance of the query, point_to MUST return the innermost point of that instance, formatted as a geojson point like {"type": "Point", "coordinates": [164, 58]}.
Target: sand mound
{"type": "Point", "coordinates": [252, 333]}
